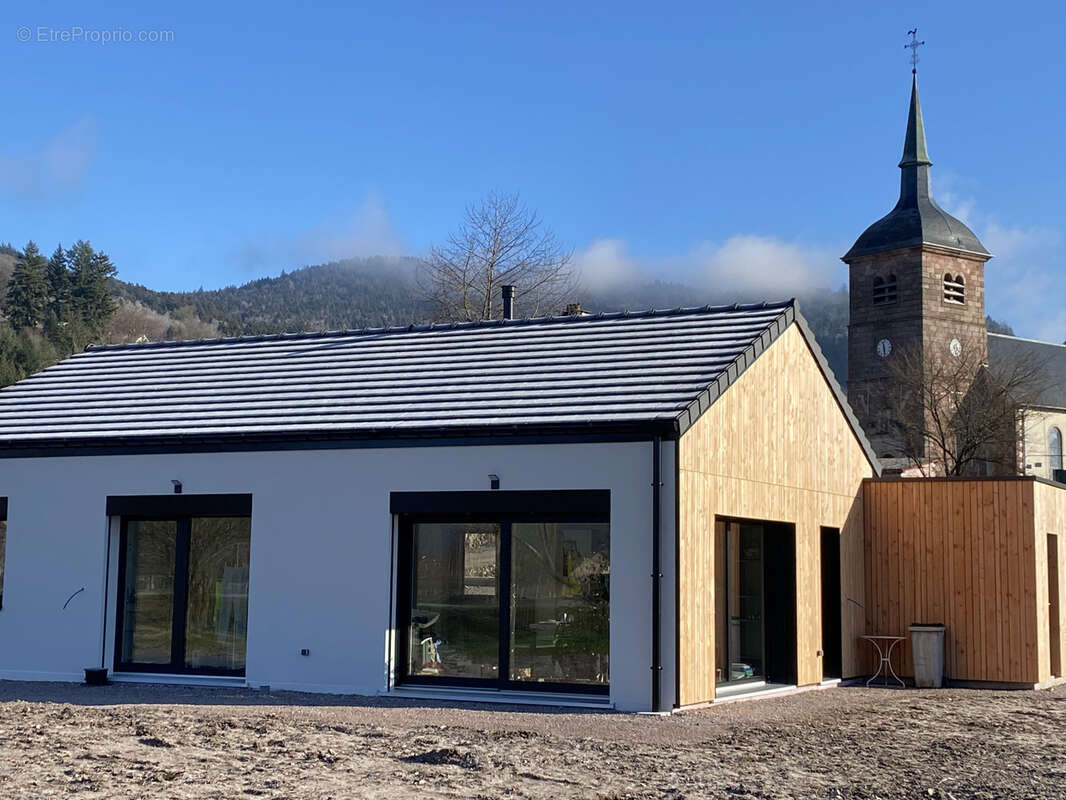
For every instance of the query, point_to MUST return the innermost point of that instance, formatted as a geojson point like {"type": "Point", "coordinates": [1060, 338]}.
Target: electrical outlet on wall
{"type": "Point", "coordinates": [305, 652]}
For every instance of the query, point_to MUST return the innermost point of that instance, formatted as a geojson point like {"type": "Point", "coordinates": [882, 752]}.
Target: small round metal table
{"type": "Point", "coordinates": [885, 644]}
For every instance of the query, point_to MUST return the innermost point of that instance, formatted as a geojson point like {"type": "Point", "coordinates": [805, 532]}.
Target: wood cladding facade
{"type": "Point", "coordinates": [775, 447]}
{"type": "Point", "coordinates": [972, 554]}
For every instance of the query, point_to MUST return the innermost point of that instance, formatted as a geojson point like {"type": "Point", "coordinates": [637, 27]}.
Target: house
{"type": "Point", "coordinates": [985, 556]}
{"type": "Point", "coordinates": [647, 511]}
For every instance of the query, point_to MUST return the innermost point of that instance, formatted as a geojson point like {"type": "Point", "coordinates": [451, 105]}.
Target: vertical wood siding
{"type": "Point", "coordinates": [775, 446]}
{"type": "Point", "coordinates": [1050, 510]}
{"type": "Point", "coordinates": [971, 554]}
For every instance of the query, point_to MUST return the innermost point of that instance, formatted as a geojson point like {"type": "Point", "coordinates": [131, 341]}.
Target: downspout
{"type": "Point", "coordinates": [656, 572]}
{"type": "Point", "coordinates": [107, 593]}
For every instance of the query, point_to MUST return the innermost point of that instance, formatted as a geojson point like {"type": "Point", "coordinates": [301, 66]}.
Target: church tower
{"type": "Point", "coordinates": [917, 284]}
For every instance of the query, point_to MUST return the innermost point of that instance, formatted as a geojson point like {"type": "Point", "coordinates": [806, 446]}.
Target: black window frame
{"type": "Point", "coordinates": [412, 508]}
{"type": "Point", "coordinates": [180, 509]}
{"type": "Point", "coordinates": [3, 550]}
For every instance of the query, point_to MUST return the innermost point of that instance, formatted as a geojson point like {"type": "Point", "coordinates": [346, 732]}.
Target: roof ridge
{"type": "Point", "coordinates": [1026, 339]}
{"type": "Point", "coordinates": [441, 326]}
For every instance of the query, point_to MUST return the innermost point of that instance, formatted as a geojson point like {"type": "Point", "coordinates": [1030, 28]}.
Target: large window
{"type": "Point", "coordinates": [560, 602]}
{"type": "Point", "coordinates": [1055, 448]}
{"type": "Point", "coordinates": [3, 545]}
{"type": "Point", "coordinates": [183, 594]}
{"type": "Point", "coordinates": [521, 603]}
{"type": "Point", "coordinates": [455, 600]}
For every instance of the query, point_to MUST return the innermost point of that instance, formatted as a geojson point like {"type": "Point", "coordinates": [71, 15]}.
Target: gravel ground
{"type": "Point", "coordinates": [60, 740]}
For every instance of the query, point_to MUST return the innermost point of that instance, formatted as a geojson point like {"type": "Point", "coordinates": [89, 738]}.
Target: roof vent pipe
{"type": "Point", "coordinates": [508, 301]}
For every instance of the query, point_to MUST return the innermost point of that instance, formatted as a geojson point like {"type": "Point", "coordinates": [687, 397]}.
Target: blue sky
{"type": "Point", "coordinates": [725, 144]}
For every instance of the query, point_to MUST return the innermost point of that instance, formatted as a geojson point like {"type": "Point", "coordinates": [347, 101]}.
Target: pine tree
{"type": "Point", "coordinates": [91, 299]}
{"type": "Point", "coordinates": [27, 292]}
{"type": "Point", "coordinates": [59, 284]}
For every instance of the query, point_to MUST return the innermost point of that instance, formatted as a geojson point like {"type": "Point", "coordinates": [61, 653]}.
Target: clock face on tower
{"type": "Point", "coordinates": [955, 346]}
{"type": "Point", "coordinates": [884, 347]}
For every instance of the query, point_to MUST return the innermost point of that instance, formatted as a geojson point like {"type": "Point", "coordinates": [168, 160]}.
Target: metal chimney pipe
{"type": "Point", "coordinates": [508, 302]}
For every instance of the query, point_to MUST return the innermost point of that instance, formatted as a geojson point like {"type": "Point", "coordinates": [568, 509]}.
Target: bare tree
{"type": "Point", "coordinates": [134, 322]}
{"type": "Point", "coordinates": [953, 414]}
{"type": "Point", "coordinates": [500, 242]}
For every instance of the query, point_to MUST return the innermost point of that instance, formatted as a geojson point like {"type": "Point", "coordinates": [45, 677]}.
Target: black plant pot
{"type": "Point", "coordinates": [96, 676]}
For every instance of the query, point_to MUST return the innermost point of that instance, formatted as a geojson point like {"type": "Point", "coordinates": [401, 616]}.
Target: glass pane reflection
{"type": "Point", "coordinates": [149, 592]}
{"type": "Point", "coordinates": [216, 617]}
{"type": "Point", "coordinates": [455, 608]}
{"type": "Point", "coordinates": [560, 602]}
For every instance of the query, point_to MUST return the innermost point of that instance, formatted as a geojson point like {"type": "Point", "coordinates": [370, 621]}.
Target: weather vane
{"type": "Point", "coordinates": [913, 47]}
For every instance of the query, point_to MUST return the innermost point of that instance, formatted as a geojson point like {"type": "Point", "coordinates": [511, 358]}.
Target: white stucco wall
{"type": "Point", "coordinates": [1038, 425]}
{"type": "Point", "coordinates": [320, 552]}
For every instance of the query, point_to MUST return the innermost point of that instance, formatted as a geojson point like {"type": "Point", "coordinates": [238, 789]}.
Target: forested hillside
{"type": "Point", "coordinates": [373, 292]}
{"type": "Point", "coordinates": [51, 307]}
{"type": "Point", "coordinates": [355, 293]}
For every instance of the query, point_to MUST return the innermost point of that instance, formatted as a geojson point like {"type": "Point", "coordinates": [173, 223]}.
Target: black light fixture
{"type": "Point", "coordinates": [177, 486]}
{"type": "Point", "coordinates": [494, 481]}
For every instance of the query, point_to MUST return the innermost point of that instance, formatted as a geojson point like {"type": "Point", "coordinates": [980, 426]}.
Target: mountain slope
{"type": "Point", "coordinates": [373, 292]}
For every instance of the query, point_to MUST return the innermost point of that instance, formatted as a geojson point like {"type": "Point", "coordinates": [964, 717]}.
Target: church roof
{"type": "Point", "coordinates": [916, 219]}
{"type": "Point", "coordinates": [1050, 357]}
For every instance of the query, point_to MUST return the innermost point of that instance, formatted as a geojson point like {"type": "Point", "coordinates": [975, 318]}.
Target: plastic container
{"type": "Point", "coordinates": [927, 644]}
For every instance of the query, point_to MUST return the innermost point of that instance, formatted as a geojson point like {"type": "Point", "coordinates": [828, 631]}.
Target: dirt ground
{"type": "Point", "coordinates": [61, 740]}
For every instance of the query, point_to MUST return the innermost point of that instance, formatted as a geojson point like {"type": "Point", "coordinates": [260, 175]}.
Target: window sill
{"type": "Point", "coordinates": [501, 697]}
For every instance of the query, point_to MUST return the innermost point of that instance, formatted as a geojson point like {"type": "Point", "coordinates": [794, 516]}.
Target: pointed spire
{"type": "Point", "coordinates": [914, 152]}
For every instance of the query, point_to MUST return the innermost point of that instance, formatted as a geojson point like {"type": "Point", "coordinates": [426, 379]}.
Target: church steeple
{"type": "Point", "coordinates": [916, 284]}
{"type": "Point", "coordinates": [914, 152]}
{"type": "Point", "coordinates": [915, 164]}
{"type": "Point", "coordinates": [916, 219]}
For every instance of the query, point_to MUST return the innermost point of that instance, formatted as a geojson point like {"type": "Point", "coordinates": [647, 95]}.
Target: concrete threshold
{"type": "Point", "coordinates": [752, 691]}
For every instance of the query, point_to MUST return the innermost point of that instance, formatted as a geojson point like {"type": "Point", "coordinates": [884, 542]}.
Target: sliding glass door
{"type": "Point", "coordinates": [740, 636]}
{"type": "Point", "coordinates": [148, 621]}
{"type": "Point", "coordinates": [755, 602]}
{"type": "Point", "coordinates": [183, 600]}
{"type": "Point", "coordinates": [560, 603]}
{"type": "Point", "coordinates": [455, 601]}
{"type": "Point", "coordinates": [505, 603]}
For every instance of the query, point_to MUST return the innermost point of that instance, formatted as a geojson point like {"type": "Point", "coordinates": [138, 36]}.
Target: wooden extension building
{"type": "Point", "coordinates": [777, 449]}
{"type": "Point", "coordinates": [985, 557]}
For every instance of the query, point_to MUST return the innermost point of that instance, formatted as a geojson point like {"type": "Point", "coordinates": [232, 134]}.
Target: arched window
{"type": "Point", "coordinates": [1054, 448]}
{"type": "Point", "coordinates": [954, 289]}
{"type": "Point", "coordinates": [885, 290]}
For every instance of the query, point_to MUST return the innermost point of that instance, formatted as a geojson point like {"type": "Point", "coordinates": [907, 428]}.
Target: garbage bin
{"type": "Point", "coordinates": [927, 644]}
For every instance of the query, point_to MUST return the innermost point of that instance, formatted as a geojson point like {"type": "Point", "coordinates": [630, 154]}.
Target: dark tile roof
{"type": "Point", "coordinates": [655, 370]}
{"type": "Point", "coordinates": [1050, 357]}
